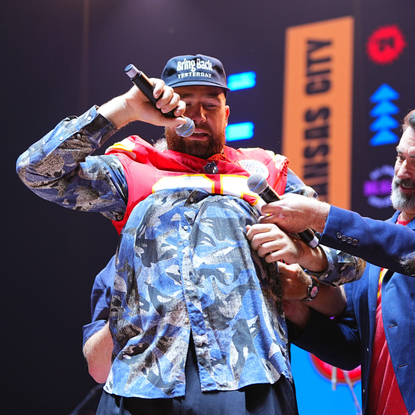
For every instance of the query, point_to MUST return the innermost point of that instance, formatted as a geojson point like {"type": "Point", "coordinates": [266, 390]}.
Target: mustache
{"type": "Point", "coordinates": [203, 128]}
{"type": "Point", "coordinates": [408, 183]}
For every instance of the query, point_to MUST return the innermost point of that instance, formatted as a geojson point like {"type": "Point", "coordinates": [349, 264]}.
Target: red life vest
{"type": "Point", "coordinates": [148, 170]}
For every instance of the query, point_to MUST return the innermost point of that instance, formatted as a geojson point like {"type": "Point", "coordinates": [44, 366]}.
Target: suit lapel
{"type": "Point", "coordinates": [373, 283]}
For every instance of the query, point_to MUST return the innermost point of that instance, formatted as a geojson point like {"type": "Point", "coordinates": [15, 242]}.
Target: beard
{"type": "Point", "coordinates": [402, 201]}
{"type": "Point", "coordinates": [203, 149]}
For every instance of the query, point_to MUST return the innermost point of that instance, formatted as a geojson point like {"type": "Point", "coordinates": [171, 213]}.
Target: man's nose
{"type": "Point", "coordinates": [196, 113]}
{"type": "Point", "coordinates": [403, 172]}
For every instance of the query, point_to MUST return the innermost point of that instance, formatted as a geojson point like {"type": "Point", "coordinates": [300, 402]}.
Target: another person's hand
{"type": "Point", "coordinates": [273, 244]}
{"type": "Point", "coordinates": [295, 213]}
{"type": "Point", "coordinates": [297, 312]}
{"type": "Point", "coordinates": [97, 351]}
{"type": "Point", "coordinates": [294, 281]}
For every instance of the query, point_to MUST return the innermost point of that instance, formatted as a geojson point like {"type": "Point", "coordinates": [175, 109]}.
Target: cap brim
{"type": "Point", "coordinates": [198, 83]}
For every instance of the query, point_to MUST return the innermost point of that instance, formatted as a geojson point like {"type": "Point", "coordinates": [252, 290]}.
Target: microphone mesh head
{"type": "Point", "coordinates": [186, 130]}
{"type": "Point", "coordinates": [257, 183]}
{"type": "Point", "coordinates": [131, 70]}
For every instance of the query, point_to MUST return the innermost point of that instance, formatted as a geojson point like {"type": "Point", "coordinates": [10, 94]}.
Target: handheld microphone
{"type": "Point", "coordinates": [258, 184]}
{"type": "Point", "coordinates": [141, 81]}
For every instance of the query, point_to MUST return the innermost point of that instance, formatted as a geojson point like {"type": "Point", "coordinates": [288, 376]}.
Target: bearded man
{"type": "Point", "coordinates": [376, 330]}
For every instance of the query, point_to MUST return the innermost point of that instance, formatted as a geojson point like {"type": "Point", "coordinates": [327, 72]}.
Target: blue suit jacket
{"type": "Point", "coordinates": [346, 341]}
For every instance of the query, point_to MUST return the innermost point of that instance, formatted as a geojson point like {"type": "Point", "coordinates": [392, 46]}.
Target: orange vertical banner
{"type": "Point", "coordinates": [318, 100]}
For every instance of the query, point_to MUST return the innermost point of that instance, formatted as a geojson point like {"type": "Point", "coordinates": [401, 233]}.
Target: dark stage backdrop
{"type": "Point", "coordinates": [61, 57]}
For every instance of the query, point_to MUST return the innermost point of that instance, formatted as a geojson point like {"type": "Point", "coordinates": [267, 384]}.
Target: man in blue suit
{"type": "Point", "coordinates": [377, 328]}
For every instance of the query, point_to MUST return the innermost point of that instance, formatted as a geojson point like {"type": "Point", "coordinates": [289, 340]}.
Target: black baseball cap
{"type": "Point", "coordinates": [188, 70]}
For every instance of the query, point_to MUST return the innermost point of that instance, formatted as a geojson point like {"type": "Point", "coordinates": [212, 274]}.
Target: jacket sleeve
{"type": "Point", "coordinates": [59, 167]}
{"type": "Point", "coordinates": [381, 243]}
{"type": "Point", "coordinates": [336, 341]}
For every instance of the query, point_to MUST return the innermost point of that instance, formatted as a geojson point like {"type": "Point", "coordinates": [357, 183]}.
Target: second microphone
{"type": "Point", "coordinates": [258, 184]}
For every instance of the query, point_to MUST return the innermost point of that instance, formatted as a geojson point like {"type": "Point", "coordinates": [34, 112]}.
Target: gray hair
{"type": "Point", "coordinates": [409, 121]}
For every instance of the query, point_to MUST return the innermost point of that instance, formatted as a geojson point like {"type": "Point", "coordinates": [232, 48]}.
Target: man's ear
{"type": "Point", "coordinates": [228, 111]}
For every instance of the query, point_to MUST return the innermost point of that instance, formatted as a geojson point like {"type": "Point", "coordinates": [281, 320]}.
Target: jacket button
{"type": "Point", "coordinates": [355, 242]}
{"type": "Point", "coordinates": [349, 240]}
{"type": "Point", "coordinates": [338, 235]}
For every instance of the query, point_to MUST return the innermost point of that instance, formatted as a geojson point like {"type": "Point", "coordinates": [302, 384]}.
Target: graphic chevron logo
{"type": "Point", "coordinates": [382, 113]}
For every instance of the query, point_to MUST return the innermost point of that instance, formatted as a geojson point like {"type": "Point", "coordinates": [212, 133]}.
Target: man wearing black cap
{"type": "Point", "coordinates": [196, 316]}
